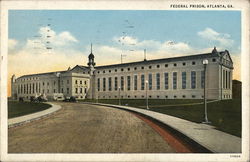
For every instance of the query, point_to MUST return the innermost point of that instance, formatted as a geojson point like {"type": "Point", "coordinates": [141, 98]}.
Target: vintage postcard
{"type": "Point", "coordinates": [124, 80]}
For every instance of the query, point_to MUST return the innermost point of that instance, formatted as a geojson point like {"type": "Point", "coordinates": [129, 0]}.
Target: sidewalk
{"type": "Point", "coordinates": [34, 116]}
{"type": "Point", "coordinates": [207, 136]}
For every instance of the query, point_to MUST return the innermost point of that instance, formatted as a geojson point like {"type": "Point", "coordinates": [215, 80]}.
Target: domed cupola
{"type": "Point", "coordinates": [91, 58]}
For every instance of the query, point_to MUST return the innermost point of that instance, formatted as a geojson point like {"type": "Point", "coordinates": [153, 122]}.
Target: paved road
{"type": "Point", "coordinates": [80, 128]}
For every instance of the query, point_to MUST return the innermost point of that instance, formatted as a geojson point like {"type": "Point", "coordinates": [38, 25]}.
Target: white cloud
{"type": "Point", "coordinates": [223, 39]}
{"type": "Point", "coordinates": [125, 40]}
{"type": "Point", "coordinates": [12, 43]}
{"type": "Point", "coordinates": [47, 36]}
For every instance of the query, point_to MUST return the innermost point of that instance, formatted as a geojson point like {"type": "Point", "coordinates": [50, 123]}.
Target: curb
{"type": "Point", "coordinates": [14, 122]}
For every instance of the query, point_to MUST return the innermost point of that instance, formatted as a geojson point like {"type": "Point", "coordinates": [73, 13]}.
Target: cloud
{"type": "Point", "coordinates": [125, 40]}
{"type": "Point", "coordinates": [47, 37]}
{"type": "Point", "coordinates": [12, 43]}
{"type": "Point", "coordinates": [223, 39]}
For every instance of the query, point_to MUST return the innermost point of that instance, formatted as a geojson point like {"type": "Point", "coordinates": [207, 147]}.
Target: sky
{"type": "Point", "coordinates": [50, 40]}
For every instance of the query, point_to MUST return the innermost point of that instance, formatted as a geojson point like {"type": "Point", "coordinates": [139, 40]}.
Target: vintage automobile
{"type": "Point", "coordinates": [70, 99]}
{"type": "Point", "coordinates": [40, 98]}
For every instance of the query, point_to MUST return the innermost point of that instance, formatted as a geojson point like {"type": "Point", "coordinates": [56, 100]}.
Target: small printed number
{"type": "Point", "coordinates": [235, 156]}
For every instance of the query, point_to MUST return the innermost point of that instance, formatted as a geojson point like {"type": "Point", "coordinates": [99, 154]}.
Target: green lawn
{"type": "Point", "coordinates": [225, 115]}
{"type": "Point", "coordinates": [16, 108]}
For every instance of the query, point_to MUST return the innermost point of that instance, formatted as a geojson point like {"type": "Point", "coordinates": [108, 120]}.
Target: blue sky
{"type": "Point", "coordinates": [100, 27]}
{"type": "Point", "coordinates": [114, 32]}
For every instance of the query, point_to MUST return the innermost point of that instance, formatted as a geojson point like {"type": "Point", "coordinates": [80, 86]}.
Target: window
{"type": "Point", "coordinates": [184, 64]}
{"type": "Point", "coordinates": [166, 65]}
{"type": "Point", "coordinates": [76, 81]}
{"type": "Point", "coordinates": [109, 71]}
{"type": "Point", "coordinates": [128, 69]}
{"type": "Point", "coordinates": [166, 80]}
{"type": "Point", "coordinates": [214, 59]}
{"type": "Point", "coordinates": [135, 68]}
{"type": "Point", "coordinates": [110, 84]}
{"type": "Point", "coordinates": [76, 90]}
{"type": "Point", "coordinates": [193, 79]}
{"type": "Point", "coordinates": [33, 88]}
{"type": "Point", "coordinates": [22, 88]}
{"type": "Point", "coordinates": [174, 80]}
{"type": "Point", "coordinates": [135, 82]}
{"type": "Point", "coordinates": [85, 82]}
{"type": "Point", "coordinates": [150, 81]}
{"type": "Point", "coordinates": [122, 83]}
{"type": "Point", "coordinates": [183, 96]}
{"type": "Point", "coordinates": [158, 66]}
{"type": "Point", "coordinates": [193, 63]}
{"type": "Point", "coordinates": [67, 81]}
{"type": "Point", "coordinates": [47, 90]}
{"type": "Point", "coordinates": [62, 90]}
{"type": "Point", "coordinates": [158, 81]}
{"type": "Point", "coordinates": [128, 83]}
{"type": "Point", "coordinates": [150, 67]}
{"type": "Point", "coordinates": [226, 79]}
{"type": "Point", "coordinates": [98, 84]}
{"type": "Point", "coordinates": [104, 84]}
{"type": "Point", "coordinates": [193, 96]}
{"type": "Point", "coordinates": [142, 82]}
{"type": "Point", "coordinates": [103, 71]}
{"type": "Point", "coordinates": [175, 64]}
{"type": "Point", "coordinates": [115, 70]}
{"type": "Point", "coordinates": [116, 83]}
{"type": "Point", "coordinates": [223, 78]}
{"type": "Point", "coordinates": [184, 79]}
{"type": "Point", "coordinates": [43, 83]}
{"type": "Point", "coordinates": [81, 90]}
{"type": "Point", "coordinates": [122, 69]}
{"type": "Point", "coordinates": [98, 72]}
{"type": "Point", "coordinates": [67, 90]}
{"type": "Point", "coordinates": [202, 78]}
{"type": "Point", "coordinates": [80, 82]}
{"type": "Point", "coordinates": [54, 90]}
{"type": "Point", "coordinates": [142, 67]}
{"type": "Point", "coordinates": [30, 88]}
{"type": "Point", "coordinates": [85, 90]}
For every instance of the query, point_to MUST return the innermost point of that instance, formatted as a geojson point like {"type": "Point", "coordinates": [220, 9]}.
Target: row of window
{"type": "Point", "coordinates": [150, 66]}
{"type": "Point", "coordinates": [54, 83]}
{"type": "Point", "coordinates": [150, 96]}
{"type": "Point", "coordinates": [76, 82]}
{"type": "Point", "coordinates": [157, 79]}
{"type": "Point", "coordinates": [80, 90]}
{"type": "Point", "coordinates": [32, 88]}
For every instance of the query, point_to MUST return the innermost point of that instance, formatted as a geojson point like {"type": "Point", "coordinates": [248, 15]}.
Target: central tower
{"type": "Point", "coordinates": [91, 62]}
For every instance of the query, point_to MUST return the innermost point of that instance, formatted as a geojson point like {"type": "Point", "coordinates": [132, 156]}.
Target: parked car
{"type": "Point", "coordinates": [70, 99]}
{"type": "Point", "coordinates": [41, 99]}
{"type": "Point", "coordinates": [20, 99]}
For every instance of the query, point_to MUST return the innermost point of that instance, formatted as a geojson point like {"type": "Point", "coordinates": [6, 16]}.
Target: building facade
{"type": "Point", "coordinates": [168, 78]}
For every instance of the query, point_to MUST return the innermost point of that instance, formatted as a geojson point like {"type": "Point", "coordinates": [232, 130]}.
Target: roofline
{"type": "Point", "coordinates": [29, 75]}
{"type": "Point", "coordinates": [162, 59]}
